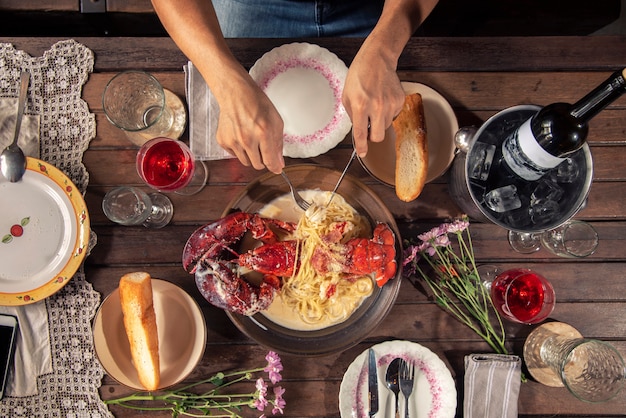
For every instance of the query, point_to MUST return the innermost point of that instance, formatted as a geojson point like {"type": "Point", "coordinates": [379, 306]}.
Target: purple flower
{"type": "Point", "coordinates": [279, 402]}
{"type": "Point", "coordinates": [274, 367]}
{"type": "Point", "coordinates": [261, 402]}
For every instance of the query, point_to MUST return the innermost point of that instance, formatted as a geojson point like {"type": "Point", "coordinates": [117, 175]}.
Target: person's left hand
{"type": "Point", "coordinates": [372, 96]}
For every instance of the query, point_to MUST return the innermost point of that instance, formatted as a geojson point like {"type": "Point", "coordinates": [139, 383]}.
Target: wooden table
{"type": "Point", "coordinates": [479, 77]}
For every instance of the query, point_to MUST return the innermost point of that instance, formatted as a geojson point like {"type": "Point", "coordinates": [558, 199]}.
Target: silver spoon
{"type": "Point", "coordinates": [392, 379]}
{"type": "Point", "coordinates": [12, 159]}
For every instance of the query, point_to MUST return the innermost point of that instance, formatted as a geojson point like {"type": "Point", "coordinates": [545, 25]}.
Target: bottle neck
{"type": "Point", "coordinates": [590, 105]}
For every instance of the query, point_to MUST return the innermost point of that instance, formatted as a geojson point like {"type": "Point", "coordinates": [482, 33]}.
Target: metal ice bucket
{"type": "Point", "coordinates": [468, 192]}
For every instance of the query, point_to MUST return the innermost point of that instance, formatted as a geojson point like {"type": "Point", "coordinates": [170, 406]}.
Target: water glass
{"type": "Point", "coordinates": [168, 165]}
{"type": "Point", "coordinates": [135, 102]}
{"type": "Point", "coordinates": [572, 239]}
{"type": "Point", "coordinates": [592, 370]}
{"type": "Point", "coordinates": [523, 296]}
{"type": "Point", "coordinates": [132, 206]}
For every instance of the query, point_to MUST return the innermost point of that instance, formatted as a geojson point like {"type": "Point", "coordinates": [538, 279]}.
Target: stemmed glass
{"type": "Point", "coordinates": [168, 165]}
{"type": "Point", "coordinates": [132, 206]}
{"type": "Point", "coordinates": [572, 239]}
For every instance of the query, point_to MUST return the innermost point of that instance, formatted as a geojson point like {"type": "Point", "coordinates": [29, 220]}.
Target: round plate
{"type": "Point", "coordinates": [181, 329]}
{"type": "Point", "coordinates": [371, 312]}
{"type": "Point", "coordinates": [44, 227]}
{"type": "Point", "coordinates": [441, 125]}
{"type": "Point", "coordinates": [305, 83]}
{"type": "Point", "coordinates": [177, 107]}
{"type": "Point", "coordinates": [434, 393]}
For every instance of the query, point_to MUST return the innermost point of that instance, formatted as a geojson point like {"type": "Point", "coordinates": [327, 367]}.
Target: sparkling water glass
{"type": "Point", "coordinates": [572, 239]}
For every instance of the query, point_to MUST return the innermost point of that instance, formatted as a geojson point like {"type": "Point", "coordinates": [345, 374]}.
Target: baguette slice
{"type": "Point", "coordinates": [141, 328]}
{"type": "Point", "coordinates": [411, 149]}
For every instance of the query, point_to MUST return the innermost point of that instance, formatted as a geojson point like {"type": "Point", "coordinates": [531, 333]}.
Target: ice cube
{"type": "Point", "coordinates": [480, 160]}
{"type": "Point", "coordinates": [503, 199]}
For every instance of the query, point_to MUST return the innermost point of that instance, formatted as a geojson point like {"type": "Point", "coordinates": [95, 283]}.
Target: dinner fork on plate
{"type": "Point", "coordinates": [296, 196]}
{"type": "Point", "coordinates": [406, 377]}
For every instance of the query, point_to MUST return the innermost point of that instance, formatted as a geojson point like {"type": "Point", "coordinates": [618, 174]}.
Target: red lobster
{"type": "Point", "coordinates": [218, 279]}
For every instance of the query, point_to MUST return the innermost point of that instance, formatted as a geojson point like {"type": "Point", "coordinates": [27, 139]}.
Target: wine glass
{"type": "Point", "coordinates": [523, 296]}
{"type": "Point", "coordinates": [572, 239]}
{"type": "Point", "coordinates": [135, 102]}
{"type": "Point", "coordinates": [524, 242]}
{"type": "Point", "coordinates": [557, 355]}
{"type": "Point", "coordinates": [132, 206]}
{"type": "Point", "coordinates": [168, 165]}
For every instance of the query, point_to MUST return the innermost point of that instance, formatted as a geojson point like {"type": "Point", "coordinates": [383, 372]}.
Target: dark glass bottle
{"type": "Point", "coordinates": [557, 130]}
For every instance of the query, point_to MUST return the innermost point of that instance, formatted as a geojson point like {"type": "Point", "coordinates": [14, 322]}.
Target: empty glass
{"type": "Point", "coordinates": [135, 102]}
{"type": "Point", "coordinates": [557, 355]}
{"type": "Point", "coordinates": [132, 206]}
{"type": "Point", "coordinates": [572, 239]}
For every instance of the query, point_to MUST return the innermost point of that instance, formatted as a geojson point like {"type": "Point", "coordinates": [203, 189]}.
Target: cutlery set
{"type": "Point", "coordinates": [400, 378]}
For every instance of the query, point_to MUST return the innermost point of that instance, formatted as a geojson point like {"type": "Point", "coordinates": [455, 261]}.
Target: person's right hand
{"type": "Point", "coordinates": [250, 127]}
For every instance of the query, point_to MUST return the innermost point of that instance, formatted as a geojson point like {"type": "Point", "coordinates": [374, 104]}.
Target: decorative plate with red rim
{"type": "Point", "coordinates": [433, 395]}
{"type": "Point", "coordinates": [44, 231]}
{"type": "Point", "coordinates": [305, 83]}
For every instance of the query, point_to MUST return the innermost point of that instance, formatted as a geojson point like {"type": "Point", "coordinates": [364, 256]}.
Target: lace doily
{"type": "Point", "coordinates": [67, 126]}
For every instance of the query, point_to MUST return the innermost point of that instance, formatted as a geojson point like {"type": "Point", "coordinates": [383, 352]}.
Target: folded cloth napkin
{"type": "Point", "coordinates": [29, 130]}
{"type": "Point", "coordinates": [204, 113]}
{"type": "Point", "coordinates": [32, 353]}
{"type": "Point", "coordinates": [492, 383]}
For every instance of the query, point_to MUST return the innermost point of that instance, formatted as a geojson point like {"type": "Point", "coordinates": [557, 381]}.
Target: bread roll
{"type": "Point", "coordinates": [411, 149]}
{"type": "Point", "coordinates": [141, 328]}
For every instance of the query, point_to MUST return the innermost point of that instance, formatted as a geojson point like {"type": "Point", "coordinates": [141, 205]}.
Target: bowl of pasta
{"type": "Point", "coordinates": [314, 315]}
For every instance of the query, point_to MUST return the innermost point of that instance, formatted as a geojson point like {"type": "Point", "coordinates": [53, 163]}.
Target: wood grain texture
{"type": "Point", "coordinates": [479, 77]}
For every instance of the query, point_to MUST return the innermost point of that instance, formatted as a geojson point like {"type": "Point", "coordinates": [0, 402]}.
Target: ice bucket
{"type": "Point", "coordinates": [543, 204]}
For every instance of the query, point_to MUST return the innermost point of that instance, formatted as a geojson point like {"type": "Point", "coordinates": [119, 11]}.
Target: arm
{"type": "Point", "coordinates": [251, 129]}
{"type": "Point", "coordinates": [372, 93]}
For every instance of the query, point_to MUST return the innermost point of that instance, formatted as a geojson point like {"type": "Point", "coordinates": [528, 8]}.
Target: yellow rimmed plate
{"type": "Point", "coordinates": [44, 231]}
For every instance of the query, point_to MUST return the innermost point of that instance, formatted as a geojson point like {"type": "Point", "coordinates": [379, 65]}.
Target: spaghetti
{"type": "Point", "coordinates": [326, 297]}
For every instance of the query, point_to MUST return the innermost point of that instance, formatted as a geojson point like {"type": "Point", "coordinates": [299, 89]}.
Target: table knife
{"type": "Point", "coordinates": [372, 381]}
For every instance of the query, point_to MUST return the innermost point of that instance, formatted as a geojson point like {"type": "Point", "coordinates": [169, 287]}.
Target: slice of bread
{"type": "Point", "coordinates": [141, 328]}
{"type": "Point", "coordinates": [411, 149]}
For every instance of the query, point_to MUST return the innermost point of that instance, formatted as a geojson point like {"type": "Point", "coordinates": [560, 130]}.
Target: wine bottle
{"type": "Point", "coordinates": [557, 130]}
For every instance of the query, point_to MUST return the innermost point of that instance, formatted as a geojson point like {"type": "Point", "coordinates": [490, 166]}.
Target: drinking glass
{"type": "Point", "coordinates": [523, 296]}
{"type": "Point", "coordinates": [135, 102]}
{"type": "Point", "coordinates": [132, 206]}
{"type": "Point", "coordinates": [572, 239]}
{"type": "Point", "coordinates": [525, 242]}
{"type": "Point", "coordinates": [557, 355]}
{"type": "Point", "coordinates": [168, 165]}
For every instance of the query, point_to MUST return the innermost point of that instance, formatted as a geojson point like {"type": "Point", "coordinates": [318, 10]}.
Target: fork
{"type": "Point", "coordinates": [407, 375]}
{"type": "Point", "coordinates": [296, 196]}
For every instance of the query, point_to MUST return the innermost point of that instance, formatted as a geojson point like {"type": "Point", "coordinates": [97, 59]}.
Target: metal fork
{"type": "Point", "coordinates": [407, 376]}
{"type": "Point", "coordinates": [296, 196]}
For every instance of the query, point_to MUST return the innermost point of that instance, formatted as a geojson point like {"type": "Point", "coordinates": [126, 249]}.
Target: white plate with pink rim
{"type": "Point", "coordinates": [305, 82]}
{"type": "Point", "coordinates": [434, 393]}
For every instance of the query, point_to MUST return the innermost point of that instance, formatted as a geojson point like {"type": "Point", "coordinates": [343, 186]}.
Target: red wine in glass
{"type": "Point", "coordinates": [165, 164]}
{"type": "Point", "coordinates": [522, 295]}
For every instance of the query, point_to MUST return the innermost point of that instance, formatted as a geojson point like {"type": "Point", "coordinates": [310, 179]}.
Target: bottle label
{"type": "Point", "coordinates": [525, 156]}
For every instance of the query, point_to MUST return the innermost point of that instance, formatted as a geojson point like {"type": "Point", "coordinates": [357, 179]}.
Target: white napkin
{"type": "Point", "coordinates": [29, 131]}
{"type": "Point", "coordinates": [203, 116]}
{"type": "Point", "coordinates": [32, 352]}
{"type": "Point", "coordinates": [492, 383]}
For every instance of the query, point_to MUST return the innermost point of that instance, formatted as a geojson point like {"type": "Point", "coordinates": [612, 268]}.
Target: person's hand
{"type": "Point", "coordinates": [250, 127]}
{"type": "Point", "coordinates": [372, 96]}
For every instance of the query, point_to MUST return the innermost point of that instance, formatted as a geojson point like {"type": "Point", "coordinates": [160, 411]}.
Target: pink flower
{"type": "Point", "coordinates": [261, 402]}
{"type": "Point", "coordinates": [274, 367]}
{"type": "Point", "coordinates": [279, 402]}
{"type": "Point", "coordinates": [458, 225]}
